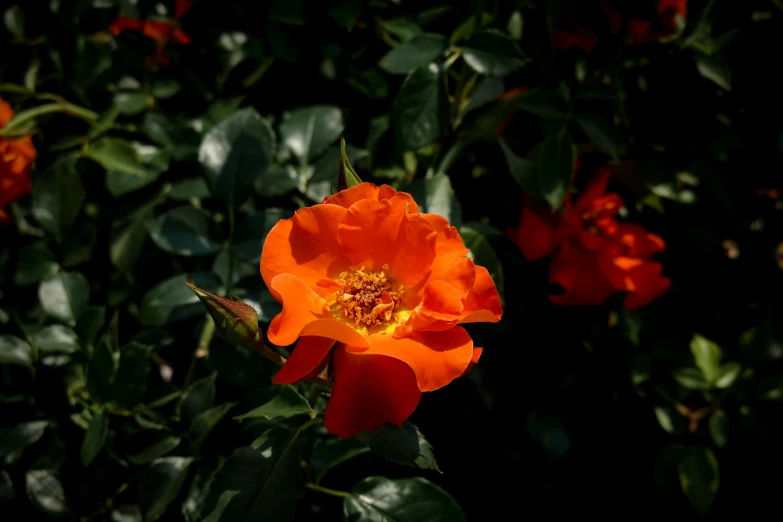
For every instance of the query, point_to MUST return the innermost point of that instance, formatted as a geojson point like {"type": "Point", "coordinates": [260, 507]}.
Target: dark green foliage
{"type": "Point", "coordinates": [118, 402]}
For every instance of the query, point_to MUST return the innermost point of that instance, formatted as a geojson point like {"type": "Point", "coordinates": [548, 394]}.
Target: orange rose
{"type": "Point", "coordinates": [594, 256]}
{"type": "Point", "coordinates": [16, 159]}
{"type": "Point", "coordinates": [162, 31]}
{"type": "Point", "coordinates": [377, 289]}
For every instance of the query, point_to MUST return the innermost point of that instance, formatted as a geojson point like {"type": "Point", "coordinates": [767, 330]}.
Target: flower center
{"type": "Point", "coordinates": [368, 298]}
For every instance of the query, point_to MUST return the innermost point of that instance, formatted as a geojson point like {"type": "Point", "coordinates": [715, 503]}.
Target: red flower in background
{"type": "Point", "coordinates": [16, 159]}
{"type": "Point", "coordinates": [162, 31]}
{"type": "Point", "coordinates": [594, 256]}
{"type": "Point", "coordinates": [671, 19]}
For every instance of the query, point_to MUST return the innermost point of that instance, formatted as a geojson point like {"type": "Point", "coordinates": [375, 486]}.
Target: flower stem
{"type": "Point", "coordinates": [207, 333]}
{"type": "Point", "coordinates": [333, 492]}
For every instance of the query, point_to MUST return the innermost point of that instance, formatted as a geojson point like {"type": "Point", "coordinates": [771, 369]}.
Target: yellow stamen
{"type": "Point", "coordinates": [368, 298]}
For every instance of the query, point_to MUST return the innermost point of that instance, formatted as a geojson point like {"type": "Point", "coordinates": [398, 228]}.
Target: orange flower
{"type": "Point", "coordinates": [162, 31]}
{"type": "Point", "coordinates": [594, 255]}
{"type": "Point", "coordinates": [581, 38]}
{"type": "Point", "coordinates": [671, 19]}
{"type": "Point", "coordinates": [16, 159]}
{"type": "Point", "coordinates": [376, 289]}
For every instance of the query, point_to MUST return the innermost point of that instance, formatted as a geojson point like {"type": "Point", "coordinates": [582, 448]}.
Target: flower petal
{"type": "Point", "coordinates": [308, 357]}
{"type": "Point", "coordinates": [638, 242]}
{"type": "Point", "coordinates": [594, 189]}
{"type": "Point", "coordinates": [368, 392]}
{"type": "Point", "coordinates": [581, 276]}
{"type": "Point", "coordinates": [640, 278]}
{"type": "Point", "coordinates": [305, 313]}
{"type": "Point", "coordinates": [437, 358]}
{"type": "Point", "coordinates": [482, 304]}
{"type": "Point", "coordinates": [346, 198]}
{"type": "Point", "coordinates": [473, 360]}
{"type": "Point", "coordinates": [450, 263]}
{"type": "Point", "coordinates": [537, 232]}
{"type": "Point", "coordinates": [376, 233]}
{"type": "Point", "coordinates": [306, 246]}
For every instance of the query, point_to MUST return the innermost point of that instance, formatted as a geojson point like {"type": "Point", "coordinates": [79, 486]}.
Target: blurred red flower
{"type": "Point", "coordinates": [162, 32]}
{"type": "Point", "coordinates": [594, 255]}
{"type": "Point", "coordinates": [16, 159]}
{"type": "Point", "coordinates": [671, 19]}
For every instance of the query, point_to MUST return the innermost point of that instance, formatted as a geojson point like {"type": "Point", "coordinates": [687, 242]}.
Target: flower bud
{"type": "Point", "coordinates": [235, 320]}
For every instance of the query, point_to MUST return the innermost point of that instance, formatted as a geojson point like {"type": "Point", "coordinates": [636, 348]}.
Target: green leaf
{"type": "Point", "coordinates": [90, 324]}
{"type": "Point", "coordinates": [65, 296]}
{"type": "Point", "coordinates": [466, 28]}
{"type": "Point", "coordinates": [205, 422]}
{"type": "Point", "coordinates": [116, 154]}
{"type": "Point", "coordinates": [103, 366]}
{"type": "Point", "coordinates": [332, 452]}
{"type": "Point", "coordinates": [45, 491]}
{"type": "Point", "coordinates": [262, 482]}
{"type": "Point", "coordinates": [707, 355]}
{"type": "Point", "coordinates": [727, 374]}
{"type": "Point", "coordinates": [197, 494]}
{"type": "Point", "coordinates": [719, 429]}
{"type": "Point", "coordinates": [523, 170]}
{"type": "Point", "coordinates": [403, 29]}
{"type": "Point", "coordinates": [690, 378]}
{"type": "Point", "coordinates": [155, 450]}
{"type": "Point", "coordinates": [482, 253]}
{"type": "Point", "coordinates": [171, 301]}
{"type": "Point", "coordinates": [55, 338]}
{"type": "Point", "coordinates": [347, 176]}
{"type": "Point", "coordinates": [543, 103]}
{"type": "Point", "coordinates": [36, 263]}
{"type": "Point", "coordinates": [20, 436]}
{"type": "Point", "coordinates": [600, 132]}
{"type": "Point", "coordinates": [189, 189]}
{"type": "Point", "coordinates": [379, 499]}
{"type": "Point", "coordinates": [186, 231]}
{"type": "Point", "coordinates": [493, 53]}
{"type": "Point", "coordinates": [715, 68]}
{"type": "Point", "coordinates": [199, 397]}
{"type": "Point", "coordinates": [277, 181]}
{"type": "Point", "coordinates": [420, 50]}
{"type": "Point", "coordinates": [130, 103]}
{"type": "Point", "coordinates": [95, 437]}
{"type": "Point", "coordinates": [7, 492]}
{"type": "Point", "coordinates": [404, 445]}
{"type": "Point", "coordinates": [235, 152]}
{"type": "Point", "coordinates": [325, 178]}
{"type": "Point", "coordinates": [308, 131]}
{"type": "Point", "coordinates": [160, 485]}
{"type": "Point", "coordinates": [14, 21]}
{"type": "Point", "coordinates": [556, 166]}
{"type": "Point", "coordinates": [422, 107]}
{"type": "Point", "coordinates": [515, 24]}
{"type": "Point", "coordinates": [699, 478]}
{"type": "Point", "coordinates": [58, 195]}
{"type": "Point", "coordinates": [130, 382]}
{"type": "Point", "coordinates": [435, 196]}
{"type": "Point", "coordinates": [154, 162]}
{"type": "Point", "coordinates": [664, 418]}
{"type": "Point", "coordinates": [287, 403]}
{"type": "Point", "coordinates": [165, 88]}
{"type": "Point", "coordinates": [251, 233]}
{"type": "Point", "coordinates": [15, 351]}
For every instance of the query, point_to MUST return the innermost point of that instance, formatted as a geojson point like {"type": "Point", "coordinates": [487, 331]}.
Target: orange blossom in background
{"type": "Point", "coordinates": [594, 256]}
{"type": "Point", "coordinates": [16, 159]}
{"type": "Point", "coordinates": [162, 31]}
{"type": "Point", "coordinates": [377, 290]}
